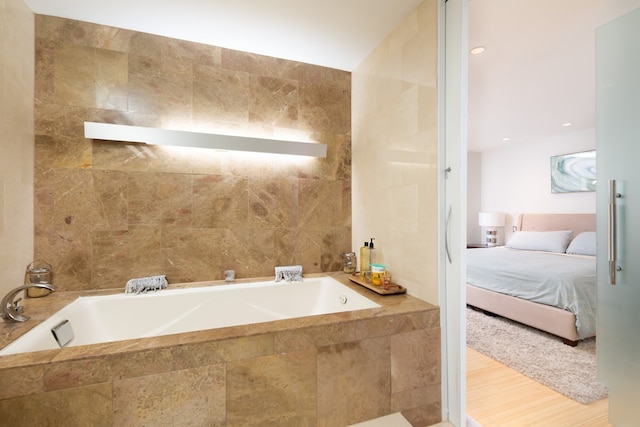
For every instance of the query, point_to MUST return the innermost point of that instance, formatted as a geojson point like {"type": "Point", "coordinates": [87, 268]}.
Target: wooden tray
{"type": "Point", "coordinates": [393, 289]}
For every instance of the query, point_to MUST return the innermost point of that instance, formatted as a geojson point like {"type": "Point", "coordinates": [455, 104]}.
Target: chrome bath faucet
{"type": "Point", "coordinates": [10, 310]}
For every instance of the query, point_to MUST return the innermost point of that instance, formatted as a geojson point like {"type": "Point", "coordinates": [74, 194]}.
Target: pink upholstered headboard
{"type": "Point", "coordinates": [550, 222]}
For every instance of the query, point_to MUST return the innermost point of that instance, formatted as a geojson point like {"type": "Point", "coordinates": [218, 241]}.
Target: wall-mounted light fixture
{"type": "Point", "coordinates": [155, 136]}
{"type": "Point", "coordinates": [491, 220]}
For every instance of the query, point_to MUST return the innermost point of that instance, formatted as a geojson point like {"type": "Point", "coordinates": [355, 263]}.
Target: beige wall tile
{"type": "Point", "coordinates": [395, 177]}
{"type": "Point", "coordinates": [273, 101]}
{"type": "Point", "coordinates": [220, 95]}
{"type": "Point", "coordinates": [82, 406]}
{"type": "Point", "coordinates": [249, 251]}
{"type": "Point", "coordinates": [89, 77]}
{"type": "Point", "coordinates": [263, 65]}
{"type": "Point", "coordinates": [159, 199]}
{"type": "Point", "coordinates": [320, 204]}
{"type": "Point", "coordinates": [317, 336]}
{"type": "Point", "coordinates": [188, 254]}
{"type": "Point", "coordinates": [389, 326]}
{"type": "Point", "coordinates": [220, 201]}
{"type": "Point", "coordinates": [322, 108]}
{"type": "Point", "coordinates": [126, 158]}
{"type": "Point", "coordinates": [274, 390]}
{"type": "Point", "coordinates": [122, 255]}
{"type": "Point", "coordinates": [153, 46]}
{"type": "Point", "coordinates": [273, 202]}
{"type": "Point", "coordinates": [319, 248]}
{"type": "Point", "coordinates": [141, 363]}
{"type": "Point", "coordinates": [415, 359]}
{"type": "Point", "coordinates": [160, 85]}
{"type": "Point", "coordinates": [29, 380]}
{"type": "Point", "coordinates": [359, 372]}
{"type": "Point", "coordinates": [71, 254]}
{"type": "Point", "coordinates": [16, 128]}
{"type": "Point", "coordinates": [187, 397]}
{"type": "Point", "coordinates": [424, 403]}
{"type": "Point", "coordinates": [426, 415]}
{"type": "Point", "coordinates": [212, 352]}
{"type": "Point", "coordinates": [76, 374]}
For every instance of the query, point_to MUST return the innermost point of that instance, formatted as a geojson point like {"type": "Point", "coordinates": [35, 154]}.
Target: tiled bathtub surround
{"type": "Point", "coordinates": [329, 370]}
{"type": "Point", "coordinates": [107, 212]}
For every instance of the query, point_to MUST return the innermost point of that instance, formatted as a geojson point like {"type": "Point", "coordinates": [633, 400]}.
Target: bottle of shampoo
{"type": "Point", "coordinates": [364, 259]}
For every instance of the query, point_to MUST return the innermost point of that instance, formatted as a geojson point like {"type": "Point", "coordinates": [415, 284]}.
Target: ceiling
{"type": "Point", "coordinates": [333, 33]}
{"type": "Point", "coordinates": [537, 71]}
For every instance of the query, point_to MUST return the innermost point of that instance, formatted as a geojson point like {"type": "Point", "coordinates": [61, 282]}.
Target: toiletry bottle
{"type": "Point", "coordinates": [364, 259]}
{"type": "Point", "coordinates": [377, 273]}
{"type": "Point", "coordinates": [372, 257]}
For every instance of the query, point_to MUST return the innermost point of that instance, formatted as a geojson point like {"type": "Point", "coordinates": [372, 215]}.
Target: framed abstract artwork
{"type": "Point", "coordinates": [573, 172]}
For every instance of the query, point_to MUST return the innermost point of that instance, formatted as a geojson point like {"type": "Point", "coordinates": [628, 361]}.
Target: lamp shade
{"type": "Point", "coordinates": [491, 219]}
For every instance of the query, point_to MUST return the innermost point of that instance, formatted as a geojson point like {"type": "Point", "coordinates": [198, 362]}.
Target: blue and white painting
{"type": "Point", "coordinates": [573, 172]}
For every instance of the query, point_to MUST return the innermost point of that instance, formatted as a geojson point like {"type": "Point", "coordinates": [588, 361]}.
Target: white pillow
{"type": "Point", "coordinates": [583, 244]}
{"type": "Point", "coordinates": [549, 241]}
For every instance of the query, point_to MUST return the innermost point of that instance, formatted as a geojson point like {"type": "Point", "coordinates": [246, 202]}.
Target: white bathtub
{"type": "Point", "coordinates": [126, 316]}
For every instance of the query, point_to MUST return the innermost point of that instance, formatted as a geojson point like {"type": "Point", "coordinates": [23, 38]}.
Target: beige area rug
{"type": "Point", "coordinates": [538, 355]}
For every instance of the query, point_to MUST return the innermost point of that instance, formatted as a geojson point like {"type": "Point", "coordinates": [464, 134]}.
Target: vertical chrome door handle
{"type": "Point", "coordinates": [446, 235]}
{"type": "Point", "coordinates": [612, 232]}
{"type": "Point", "coordinates": [447, 171]}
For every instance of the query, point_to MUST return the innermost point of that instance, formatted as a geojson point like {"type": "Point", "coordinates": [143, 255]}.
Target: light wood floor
{"type": "Point", "coordinates": [499, 396]}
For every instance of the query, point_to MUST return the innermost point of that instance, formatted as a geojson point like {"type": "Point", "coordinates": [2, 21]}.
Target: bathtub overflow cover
{"type": "Point", "coordinates": [343, 299]}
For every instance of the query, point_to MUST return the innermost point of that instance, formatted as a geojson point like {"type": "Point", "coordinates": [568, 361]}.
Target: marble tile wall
{"type": "Point", "coordinates": [16, 142]}
{"type": "Point", "coordinates": [395, 152]}
{"type": "Point", "coordinates": [343, 369]}
{"type": "Point", "coordinates": [107, 212]}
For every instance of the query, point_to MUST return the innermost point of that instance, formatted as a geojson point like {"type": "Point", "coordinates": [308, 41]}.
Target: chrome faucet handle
{"type": "Point", "coordinates": [10, 310]}
{"type": "Point", "coordinates": [17, 308]}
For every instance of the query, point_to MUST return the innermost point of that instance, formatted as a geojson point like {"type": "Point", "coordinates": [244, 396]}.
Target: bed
{"type": "Point", "coordinates": [562, 300]}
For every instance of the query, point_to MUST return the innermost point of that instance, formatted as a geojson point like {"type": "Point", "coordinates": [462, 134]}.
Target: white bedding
{"type": "Point", "coordinates": [560, 280]}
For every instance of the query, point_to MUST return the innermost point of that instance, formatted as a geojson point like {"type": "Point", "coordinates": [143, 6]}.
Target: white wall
{"type": "Point", "coordinates": [516, 179]}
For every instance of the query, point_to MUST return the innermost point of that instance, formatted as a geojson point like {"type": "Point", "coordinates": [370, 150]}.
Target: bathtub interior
{"type": "Point", "coordinates": [126, 316]}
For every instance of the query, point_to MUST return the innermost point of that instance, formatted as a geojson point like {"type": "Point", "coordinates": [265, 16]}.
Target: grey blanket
{"type": "Point", "coordinates": [564, 281]}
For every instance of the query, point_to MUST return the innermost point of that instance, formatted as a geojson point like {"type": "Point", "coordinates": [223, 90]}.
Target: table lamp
{"type": "Point", "coordinates": [491, 220]}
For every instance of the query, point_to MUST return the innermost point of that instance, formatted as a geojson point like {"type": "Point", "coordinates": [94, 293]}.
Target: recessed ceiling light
{"type": "Point", "coordinates": [506, 139]}
{"type": "Point", "coordinates": [477, 50]}
{"type": "Point", "coordinates": [567, 124]}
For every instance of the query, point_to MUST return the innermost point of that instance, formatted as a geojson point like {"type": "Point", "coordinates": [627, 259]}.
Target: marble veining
{"type": "Point", "coordinates": [106, 212]}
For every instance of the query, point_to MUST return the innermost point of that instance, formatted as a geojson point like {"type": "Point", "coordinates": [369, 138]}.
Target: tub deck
{"type": "Point", "coordinates": [40, 309]}
{"type": "Point", "coordinates": [120, 317]}
{"type": "Point", "coordinates": [286, 370]}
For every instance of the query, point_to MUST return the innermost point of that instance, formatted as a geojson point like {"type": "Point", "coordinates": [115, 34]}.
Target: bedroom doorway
{"type": "Point", "coordinates": [508, 179]}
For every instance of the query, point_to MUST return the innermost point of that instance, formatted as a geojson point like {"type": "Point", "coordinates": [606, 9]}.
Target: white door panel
{"type": "Point", "coordinates": [618, 209]}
